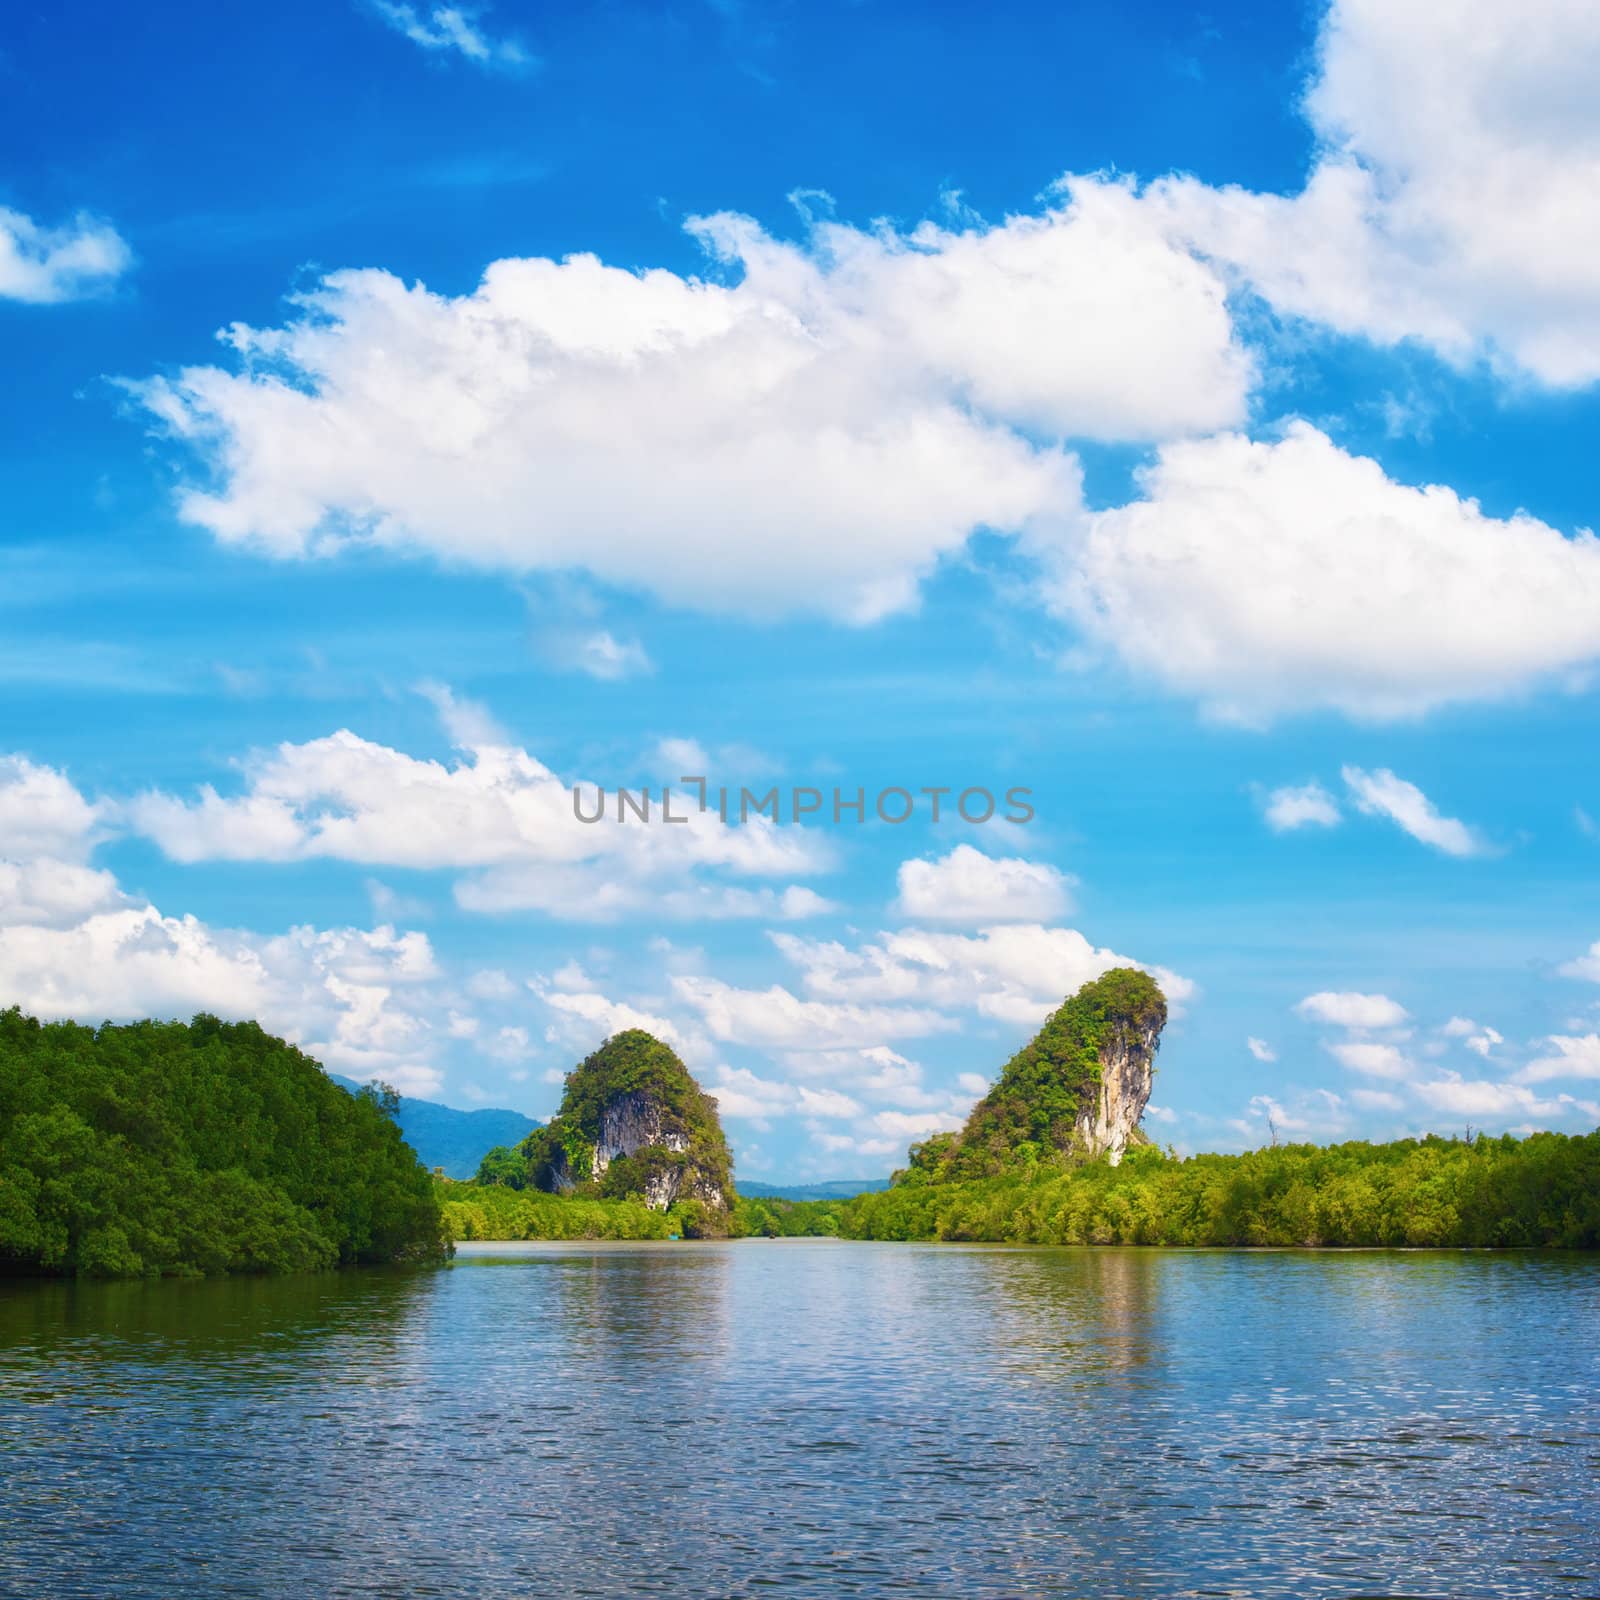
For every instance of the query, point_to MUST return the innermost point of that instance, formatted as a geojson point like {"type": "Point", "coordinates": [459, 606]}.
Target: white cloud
{"type": "Point", "coordinates": [586, 1019]}
{"type": "Point", "coordinates": [1584, 966]}
{"type": "Point", "coordinates": [908, 1125]}
{"type": "Point", "coordinates": [497, 814]}
{"type": "Point", "coordinates": [1483, 1099]}
{"type": "Point", "coordinates": [1347, 1009]}
{"type": "Point", "coordinates": [775, 1018]}
{"type": "Point", "coordinates": [1455, 195]}
{"type": "Point", "coordinates": [46, 893]}
{"type": "Point", "coordinates": [1382, 794]}
{"type": "Point", "coordinates": [1309, 806]}
{"type": "Point", "coordinates": [1313, 1113]}
{"type": "Point", "coordinates": [48, 265]}
{"type": "Point", "coordinates": [743, 1094]}
{"type": "Point", "coordinates": [1458, 1027]}
{"type": "Point", "coordinates": [470, 724]}
{"type": "Point", "coordinates": [586, 894]}
{"type": "Point", "coordinates": [1576, 1056]}
{"type": "Point", "coordinates": [603, 655]}
{"type": "Point", "coordinates": [454, 30]}
{"type": "Point", "coordinates": [884, 1077]}
{"type": "Point", "coordinates": [1269, 577]}
{"type": "Point", "coordinates": [747, 1097]}
{"type": "Point", "coordinates": [43, 814]}
{"type": "Point", "coordinates": [869, 397]}
{"type": "Point", "coordinates": [1483, 1043]}
{"type": "Point", "coordinates": [331, 991]}
{"type": "Point", "coordinates": [509, 1044]}
{"type": "Point", "coordinates": [1018, 973]}
{"type": "Point", "coordinates": [1261, 1050]}
{"type": "Point", "coordinates": [1374, 1059]}
{"type": "Point", "coordinates": [967, 886]}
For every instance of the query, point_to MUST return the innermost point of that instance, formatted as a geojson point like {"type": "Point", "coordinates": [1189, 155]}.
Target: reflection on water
{"type": "Point", "coordinates": [811, 1418]}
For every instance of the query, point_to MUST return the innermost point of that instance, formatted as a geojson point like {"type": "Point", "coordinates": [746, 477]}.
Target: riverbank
{"type": "Point", "coordinates": [1539, 1192]}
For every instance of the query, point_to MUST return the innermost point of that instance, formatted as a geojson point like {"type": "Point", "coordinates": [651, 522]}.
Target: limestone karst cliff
{"type": "Point", "coordinates": [1075, 1091]}
{"type": "Point", "coordinates": [633, 1124]}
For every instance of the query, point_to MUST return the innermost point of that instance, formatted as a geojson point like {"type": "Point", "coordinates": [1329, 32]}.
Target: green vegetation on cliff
{"type": "Point", "coordinates": [1031, 1115]}
{"type": "Point", "coordinates": [1505, 1192]}
{"type": "Point", "coordinates": [210, 1147]}
{"type": "Point", "coordinates": [633, 1126]}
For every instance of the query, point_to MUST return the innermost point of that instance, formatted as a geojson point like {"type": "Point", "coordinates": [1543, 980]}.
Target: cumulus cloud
{"type": "Point", "coordinates": [1264, 577]}
{"type": "Point", "coordinates": [884, 1077]}
{"type": "Point", "coordinates": [1261, 1050]}
{"type": "Point", "coordinates": [743, 1094]}
{"type": "Point", "coordinates": [45, 893]}
{"type": "Point", "coordinates": [1382, 794]}
{"type": "Point", "coordinates": [73, 944]}
{"type": "Point", "coordinates": [454, 30]}
{"type": "Point", "coordinates": [586, 1018]}
{"type": "Point", "coordinates": [1348, 1009]}
{"type": "Point", "coordinates": [497, 814]}
{"type": "Point", "coordinates": [1455, 196]}
{"type": "Point", "coordinates": [776, 1018]}
{"type": "Point", "coordinates": [1308, 806]}
{"type": "Point", "coordinates": [1572, 1056]}
{"type": "Point", "coordinates": [967, 886]}
{"type": "Point", "coordinates": [869, 398]}
{"type": "Point", "coordinates": [1372, 1058]}
{"type": "Point", "coordinates": [885, 1131]}
{"type": "Point", "coordinates": [1017, 973]}
{"type": "Point", "coordinates": [42, 813]}
{"type": "Point", "coordinates": [1481, 1098]}
{"type": "Point", "coordinates": [44, 265]}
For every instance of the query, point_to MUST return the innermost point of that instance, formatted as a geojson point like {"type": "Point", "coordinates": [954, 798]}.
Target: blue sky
{"type": "Point", "coordinates": [1186, 417]}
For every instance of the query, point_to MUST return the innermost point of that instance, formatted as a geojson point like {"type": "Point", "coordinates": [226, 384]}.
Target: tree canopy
{"type": "Point", "coordinates": [193, 1148]}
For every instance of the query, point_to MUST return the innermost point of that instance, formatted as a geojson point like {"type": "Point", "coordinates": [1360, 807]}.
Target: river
{"type": "Point", "coordinates": [808, 1417]}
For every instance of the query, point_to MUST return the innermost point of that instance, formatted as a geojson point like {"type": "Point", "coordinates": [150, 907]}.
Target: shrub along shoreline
{"type": "Point", "coordinates": [1542, 1191]}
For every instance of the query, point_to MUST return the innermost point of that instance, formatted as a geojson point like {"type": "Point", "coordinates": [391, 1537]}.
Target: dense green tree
{"type": "Point", "coordinates": [208, 1147]}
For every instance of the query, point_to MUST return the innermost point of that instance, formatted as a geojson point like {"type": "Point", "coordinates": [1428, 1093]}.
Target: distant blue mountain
{"type": "Point", "coordinates": [454, 1140]}
{"type": "Point", "coordinates": [841, 1189]}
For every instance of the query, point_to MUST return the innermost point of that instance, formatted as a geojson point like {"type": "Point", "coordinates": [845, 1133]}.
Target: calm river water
{"type": "Point", "coordinates": [811, 1418]}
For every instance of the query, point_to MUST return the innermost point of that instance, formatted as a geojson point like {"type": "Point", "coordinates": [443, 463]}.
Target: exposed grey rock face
{"type": "Point", "coordinates": [627, 1125]}
{"type": "Point", "coordinates": [634, 1122]}
{"type": "Point", "coordinates": [1127, 1073]}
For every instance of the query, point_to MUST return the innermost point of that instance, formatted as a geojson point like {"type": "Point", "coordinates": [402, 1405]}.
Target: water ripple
{"type": "Point", "coordinates": [812, 1418]}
